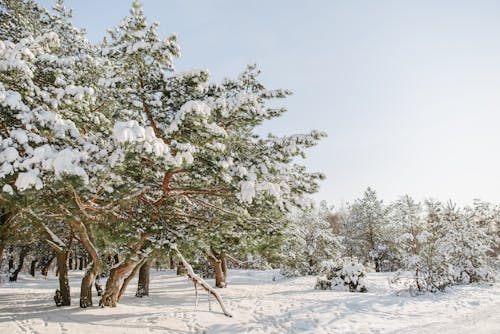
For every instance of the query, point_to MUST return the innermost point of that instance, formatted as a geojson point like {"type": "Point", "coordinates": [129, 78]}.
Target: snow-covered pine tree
{"type": "Point", "coordinates": [47, 140]}
{"type": "Point", "coordinates": [467, 243]}
{"type": "Point", "coordinates": [309, 241]}
{"type": "Point", "coordinates": [132, 147]}
{"type": "Point", "coordinates": [367, 229]}
{"type": "Point", "coordinates": [407, 224]}
{"type": "Point", "coordinates": [202, 135]}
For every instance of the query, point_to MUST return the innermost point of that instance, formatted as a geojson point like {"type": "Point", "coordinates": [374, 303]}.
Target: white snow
{"type": "Point", "coordinates": [132, 132]}
{"type": "Point", "coordinates": [258, 305]}
{"type": "Point", "coordinates": [28, 179]}
{"type": "Point", "coordinates": [10, 154]}
{"type": "Point", "coordinates": [8, 189]}
{"type": "Point", "coordinates": [247, 191]}
{"type": "Point", "coordinates": [19, 135]}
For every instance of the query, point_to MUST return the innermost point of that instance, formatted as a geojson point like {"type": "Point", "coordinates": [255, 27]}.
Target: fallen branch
{"type": "Point", "coordinates": [197, 280]}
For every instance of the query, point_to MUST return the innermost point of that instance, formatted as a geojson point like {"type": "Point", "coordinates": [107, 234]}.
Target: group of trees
{"type": "Point", "coordinates": [440, 244]}
{"type": "Point", "coordinates": [110, 159]}
{"type": "Point", "coordinates": [104, 146]}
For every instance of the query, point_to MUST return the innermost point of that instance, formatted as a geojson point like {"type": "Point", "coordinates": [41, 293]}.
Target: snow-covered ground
{"type": "Point", "coordinates": [259, 305]}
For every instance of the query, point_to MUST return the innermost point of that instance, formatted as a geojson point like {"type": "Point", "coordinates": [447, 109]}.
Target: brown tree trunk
{"type": "Point", "coordinates": [110, 295]}
{"type": "Point", "coordinates": [181, 270]}
{"type": "Point", "coordinates": [223, 264]}
{"type": "Point", "coordinates": [22, 255]}
{"type": "Point", "coordinates": [46, 266]}
{"type": "Point", "coordinates": [93, 271]}
{"type": "Point", "coordinates": [143, 284]}
{"type": "Point", "coordinates": [127, 280]}
{"type": "Point", "coordinates": [33, 267]}
{"type": "Point", "coordinates": [377, 265]}
{"type": "Point", "coordinates": [220, 278]}
{"type": "Point", "coordinates": [62, 270]}
{"type": "Point", "coordinates": [86, 287]}
{"type": "Point", "coordinates": [3, 244]}
{"type": "Point", "coordinates": [4, 230]}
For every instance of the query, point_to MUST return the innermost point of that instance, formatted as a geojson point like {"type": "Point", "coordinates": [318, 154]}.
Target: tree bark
{"type": "Point", "coordinates": [223, 263]}
{"type": "Point", "coordinates": [94, 269]}
{"type": "Point", "coordinates": [129, 278]}
{"type": "Point", "coordinates": [220, 277]}
{"type": "Point", "coordinates": [181, 270]}
{"type": "Point", "coordinates": [86, 286]}
{"type": "Point", "coordinates": [143, 284]}
{"type": "Point", "coordinates": [22, 256]}
{"type": "Point", "coordinates": [62, 270]}
{"type": "Point", "coordinates": [5, 223]}
{"type": "Point", "coordinates": [33, 267]}
{"type": "Point", "coordinates": [377, 265]}
{"type": "Point", "coordinates": [110, 295]}
{"type": "Point", "coordinates": [46, 265]}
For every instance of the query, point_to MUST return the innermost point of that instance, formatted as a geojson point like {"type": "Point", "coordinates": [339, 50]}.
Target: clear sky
{"type": "Point", "coordinates": [408, 91]}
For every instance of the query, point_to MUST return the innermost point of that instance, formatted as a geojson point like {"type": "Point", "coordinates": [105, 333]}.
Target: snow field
{"type": "Point", "coordinates": [258, 304]}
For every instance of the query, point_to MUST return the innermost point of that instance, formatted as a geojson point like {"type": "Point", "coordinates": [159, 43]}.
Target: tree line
{"type": "Point", "coordinates": [440, 244]}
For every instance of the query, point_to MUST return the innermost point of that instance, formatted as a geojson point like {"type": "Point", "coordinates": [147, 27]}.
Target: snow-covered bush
{"type": "Point", "coordinates": [343, 273]}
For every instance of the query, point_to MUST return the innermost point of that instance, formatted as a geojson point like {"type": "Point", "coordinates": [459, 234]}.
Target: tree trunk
{"type": "Point", "coordinates": [46, 265]}
{"type": "Point", "coordinates": [4, 230]}
{"type": "Point", "coordinates": [110, 296]}
{"type": "Point", "coordinates": [377, 265]}
{"type": "Point", "coordinates": [223, 264]}
{"type": "Point", "coordinates": [143, 284]}
{"type": "Point", "coordinates": [220, 278]}
{"type": "Point", "coordinates": [33, 267]}
{"type": "Point", "coordinates": [62, 270]}
{"type": "Point", "coordinates": [86, 287]}
{"type": "Point", "coordinates": [22, 255]}
{"type": "Point", "coordinates": [98, 285]}
{"type": "Point", "coordinates": [129, 278]}
{"type": "Point", "coordinates": [93, 271]}
{"type": "Point", "coordinates": [181, 270]}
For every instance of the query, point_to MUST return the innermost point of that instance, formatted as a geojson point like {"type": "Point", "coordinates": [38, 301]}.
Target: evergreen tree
{"type": "Point", "coordinates": [367, 229]}
{"type": "Point", "coordinates": [309, 242]}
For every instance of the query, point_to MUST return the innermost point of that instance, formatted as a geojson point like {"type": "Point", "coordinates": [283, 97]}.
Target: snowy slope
{"type": "Point", "coordinates": [259, 305]}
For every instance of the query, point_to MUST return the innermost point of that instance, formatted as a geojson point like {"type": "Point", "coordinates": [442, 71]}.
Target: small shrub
{"type": "Point", "coordinates": [342, 273]}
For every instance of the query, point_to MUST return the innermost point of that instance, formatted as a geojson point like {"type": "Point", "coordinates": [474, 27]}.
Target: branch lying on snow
{"type": "Point", "coordinates": [197, 280]}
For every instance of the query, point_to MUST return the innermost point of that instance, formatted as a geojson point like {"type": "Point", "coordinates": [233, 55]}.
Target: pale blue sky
{"type": "Point", "coordinates": [408, 91]}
